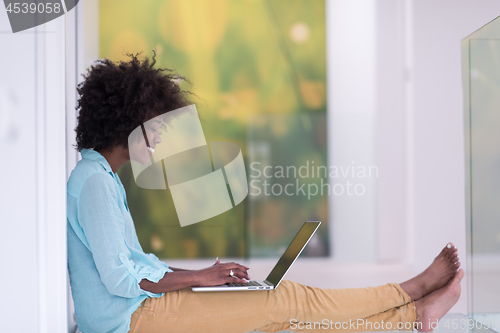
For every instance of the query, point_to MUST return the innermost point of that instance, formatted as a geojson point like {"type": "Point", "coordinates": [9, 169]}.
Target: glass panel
{"type": "Point", "coordinates": [485, 168]}
{"type": "Point", "coordinates": [481, 56]}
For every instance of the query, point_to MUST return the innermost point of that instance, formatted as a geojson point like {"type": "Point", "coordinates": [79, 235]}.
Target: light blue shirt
{"type": "Point", "coordinates": [105, 260]}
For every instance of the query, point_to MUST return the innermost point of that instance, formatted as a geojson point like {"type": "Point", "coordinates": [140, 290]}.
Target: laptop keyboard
{"type": "Point", "coordinates": [250, 283]}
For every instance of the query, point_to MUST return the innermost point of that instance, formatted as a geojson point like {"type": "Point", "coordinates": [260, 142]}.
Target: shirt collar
{"type": "Point", "coordinates": [95, 156]}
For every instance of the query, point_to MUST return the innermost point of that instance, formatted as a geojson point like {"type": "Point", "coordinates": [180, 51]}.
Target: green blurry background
{"type": "Point", "coordinates": [258, 71]}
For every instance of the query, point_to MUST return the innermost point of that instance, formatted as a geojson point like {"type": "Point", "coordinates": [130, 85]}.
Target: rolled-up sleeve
{"type": "Point", "coordinates": [120, 267]}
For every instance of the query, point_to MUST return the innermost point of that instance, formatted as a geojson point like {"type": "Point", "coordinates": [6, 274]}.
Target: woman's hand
{"type": "Point", "coordinates": [212, 276]}
{"type": "Point", "coordinates": [221, 273]}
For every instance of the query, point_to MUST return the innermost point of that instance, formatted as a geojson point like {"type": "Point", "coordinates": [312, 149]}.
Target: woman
{"type": "Point", "coordinates": [118, 288]}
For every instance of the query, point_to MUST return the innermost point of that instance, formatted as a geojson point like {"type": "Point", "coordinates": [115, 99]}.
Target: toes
{"type": "Point", "coordinates": [450, 249]}
{"type": "Point", "coordinates": [449, 252]}
{"type": "Point", "coordinates": [446, 250]}
{"type": "Point", "coordinates": [456, 266]}
{"type": "Point", "coordinates": [460, 274]}
{"type": "Point", "coordinates": [443, 252]}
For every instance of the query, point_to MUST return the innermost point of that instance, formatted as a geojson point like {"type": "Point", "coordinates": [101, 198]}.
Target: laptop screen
{"type": "Point", "coordinates": [292, 252]}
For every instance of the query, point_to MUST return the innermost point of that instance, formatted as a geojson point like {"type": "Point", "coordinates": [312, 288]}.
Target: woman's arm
{"type": "Point", "coordinates": [179, 269]}
{"type": "Point", "coordinates": [217, 261]}
{"type": "Point", "coordinates": [212, 276]}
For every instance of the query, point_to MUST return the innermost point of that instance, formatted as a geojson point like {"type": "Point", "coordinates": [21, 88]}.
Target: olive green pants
{"type": "Point", "coordinates": [291, 306]}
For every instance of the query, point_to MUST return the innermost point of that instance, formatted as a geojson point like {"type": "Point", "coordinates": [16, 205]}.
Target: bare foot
{"type": "Point", "coordinates": [436, 276]}
{"type": "Point", "coordinates": [434, 306]}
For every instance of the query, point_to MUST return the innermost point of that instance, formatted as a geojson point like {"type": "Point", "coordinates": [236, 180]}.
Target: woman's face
{"type": "Point", "coordinates": [139, 150]}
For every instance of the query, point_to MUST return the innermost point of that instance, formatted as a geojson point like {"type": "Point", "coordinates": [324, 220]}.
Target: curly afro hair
{"type": "Point", "coordinates": [116, 98]}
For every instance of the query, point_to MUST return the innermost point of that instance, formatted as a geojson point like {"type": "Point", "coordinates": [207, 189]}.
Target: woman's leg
{"type": "Point", "coordinates": [423, 314]}
{"type": "Point", "coordinates": [290, 306]}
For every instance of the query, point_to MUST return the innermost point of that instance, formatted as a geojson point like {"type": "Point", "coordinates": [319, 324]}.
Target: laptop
{"type": "Point", "coordinates": [280, 269]}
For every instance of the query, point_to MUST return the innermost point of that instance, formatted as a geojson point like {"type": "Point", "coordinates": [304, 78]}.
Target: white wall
{"type": "Point", "coordinates": [32, 190]}
{"type": "Point", "coordinates": [418, 127]}
{"type": "Point", "coordinates": [82, 49]}
{"type": "Point", "coordinates": [391, 132]}
{"type": "Point", "coordinates": [18, 194]}
{"type": "Point", "coordinates": [437, 118]}
{"type": "Point", "coordinates": [351, 79]}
